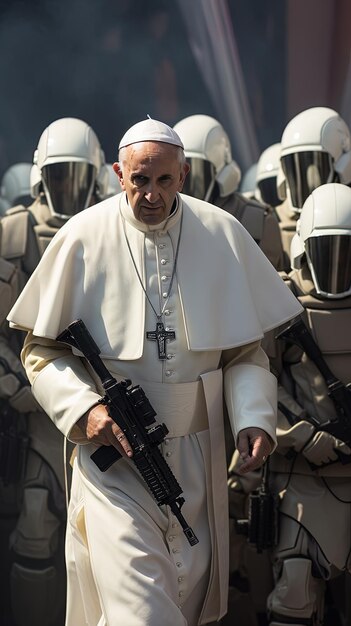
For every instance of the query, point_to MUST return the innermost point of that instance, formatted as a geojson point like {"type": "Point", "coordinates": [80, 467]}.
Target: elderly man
{"type": "Point", "coordinates": [154, 258]}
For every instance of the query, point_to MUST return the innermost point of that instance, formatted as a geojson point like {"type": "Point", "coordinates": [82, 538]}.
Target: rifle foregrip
{"type": "Point", "coordinates": [158, 476]}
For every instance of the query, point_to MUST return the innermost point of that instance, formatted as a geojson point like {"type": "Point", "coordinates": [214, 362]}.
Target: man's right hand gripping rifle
{"type": "Point", "coordinates": [126, 415]}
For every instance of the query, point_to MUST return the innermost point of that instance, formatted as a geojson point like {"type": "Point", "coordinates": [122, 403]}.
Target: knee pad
{"type": "Point", "coordinates": [37, 534]}
{"type": "Point", "coordinates": [297, 595]}
{"type": "Point", "coordinates": [37, 596]}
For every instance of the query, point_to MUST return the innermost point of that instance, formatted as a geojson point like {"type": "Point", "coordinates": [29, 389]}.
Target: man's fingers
{"type": "Point", "coordinates": [250, 464]}
{"type": "Point", "coordinates": [243, 446]}
{"type": "Point", "coordinates": [123, 442]}
{"type": "Point", "coordinates": [254, 446]}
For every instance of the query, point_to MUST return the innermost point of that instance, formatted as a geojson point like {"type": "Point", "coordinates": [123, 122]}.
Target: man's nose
{"type": "Point", "coordinates": [152, 193]}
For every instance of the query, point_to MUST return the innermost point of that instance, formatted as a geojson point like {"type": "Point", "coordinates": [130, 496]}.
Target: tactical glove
{"type": "Point", "coordinates": [324, 449]}
{"type": "Point", "coordinates": [294, 438]}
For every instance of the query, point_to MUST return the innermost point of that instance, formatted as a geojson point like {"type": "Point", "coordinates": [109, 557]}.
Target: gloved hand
{"type": "Point", "coordinates": [294, 438]}
{"type": "Point", "coordinates": [322, 449]}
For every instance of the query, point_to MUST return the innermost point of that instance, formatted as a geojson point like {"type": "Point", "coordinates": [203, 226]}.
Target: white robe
{"type": "Point", "coordinates": [225, 295]}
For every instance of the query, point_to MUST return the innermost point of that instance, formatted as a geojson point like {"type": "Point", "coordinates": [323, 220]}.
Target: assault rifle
{"type": "Point", "coordinates": [340, 394]}
{"type": "Point", "coordinates": [129, 407]}
{"type": "Point", "coordinates": [261, 525]}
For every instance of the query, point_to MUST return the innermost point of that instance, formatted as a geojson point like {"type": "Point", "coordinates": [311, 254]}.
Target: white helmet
{"type": "Point", "coordinates": [324, 236]}
{"type": "Point", "coordinates": [113, 186]}
{"type": "Point", "coordinates": [69, 165]}
{"type": "Point", "coordinates": [315, 150]}
{"type": "Point", "coordinates": [266, 175]}
{"type": "Point", "coordinates": [207, 149]}
{"type": "Point", "coordinates": [248, 181]}
{"type": "Point", "coordinates": [15, 184]}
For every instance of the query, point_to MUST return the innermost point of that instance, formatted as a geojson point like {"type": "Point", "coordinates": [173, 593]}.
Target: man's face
{"type": "Point", "coordinates": [151, 174]}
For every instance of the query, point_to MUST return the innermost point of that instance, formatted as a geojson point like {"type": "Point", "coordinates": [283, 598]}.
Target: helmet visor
{"type": "Point", "coordinates": [268, 191]}
{"type": "Point", "coordinates": [200, 180]}
{"type": "Point", "coordinates": [304, 172]}
{"type": "Point", "coordinates": [68, 186]}
{"type": "Point", "coordinates": [329, 259]}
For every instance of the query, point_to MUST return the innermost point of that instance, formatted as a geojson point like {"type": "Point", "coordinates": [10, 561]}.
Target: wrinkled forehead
{"type": "Point", "coordinates": [150, 152]}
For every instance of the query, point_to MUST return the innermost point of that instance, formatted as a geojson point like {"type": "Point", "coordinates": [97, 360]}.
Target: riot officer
{"type": "Point", "coordinates": [311, 467]}
{"type": "Point", "coordinates": [214, 176]}
{"type": "Point", "coordinates": [113, 186]}
{"type": "Point", "coordinates": [266, 175]}
{"type": "Point", "coordinates": [248, 182]}
{"type": "Point", "coordinates": [315, 150]}
{"type": "Point", "coordinates": [15, 186]}
{"type": "Point", "coordinates": [67, 176]}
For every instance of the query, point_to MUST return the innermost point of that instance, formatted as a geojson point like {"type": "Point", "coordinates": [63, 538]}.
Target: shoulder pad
{"type": "Point", "coordinates": [19, 208]}
{"type": "Point", "coordinates": [14, 227]}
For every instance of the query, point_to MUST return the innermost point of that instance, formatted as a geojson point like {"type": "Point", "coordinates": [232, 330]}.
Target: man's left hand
{"type": "Point", "coordinates": [254, 446]}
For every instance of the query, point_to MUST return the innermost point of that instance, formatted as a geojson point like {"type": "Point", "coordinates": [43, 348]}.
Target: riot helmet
{"type": "Point", "coordinates": [208, 152]}
{"type": "Point", "coordinates": [248, 181]}
{"type": "Point", "coordinates": [323, 239]}
{"type": "Point", "coordinates": [69, 167]}
{"type": "Point", "coordinates": [15, 185]}
{"type": "Point", "coordinates": [113, 186]}
{"type": "Point", "coordinates": [315, 150]}
{"type": "Point", "coordinates": [266, 175]}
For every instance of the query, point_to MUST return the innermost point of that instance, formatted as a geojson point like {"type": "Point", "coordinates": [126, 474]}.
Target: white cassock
{"type": "Point", "coordinates": [129, 556]}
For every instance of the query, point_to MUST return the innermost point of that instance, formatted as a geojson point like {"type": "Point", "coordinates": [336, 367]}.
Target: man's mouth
{"type": "Point", "coordinates": [151, 208]}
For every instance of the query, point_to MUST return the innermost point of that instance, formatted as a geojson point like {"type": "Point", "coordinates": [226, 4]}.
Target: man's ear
{"type": "Point", "coordinates": [185, 172]}
{"type": "Point", "coordinates": [118, 170]}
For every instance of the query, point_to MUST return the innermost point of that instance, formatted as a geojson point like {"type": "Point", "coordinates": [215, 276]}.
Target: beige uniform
{"type": "Point", "coordinates": [287, 224]}
{"type": "Point", "coordinates": [315, 520]}
{"type": "Point", "coordinates": [170, 582]}
{"type": "Point", "coordinates": [34, 494]}
{"type": "Point", "coordinates": [261, 221]}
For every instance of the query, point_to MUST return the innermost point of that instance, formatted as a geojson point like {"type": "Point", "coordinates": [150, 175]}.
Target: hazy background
{"type": "Point", "coordinates": [112, 62]}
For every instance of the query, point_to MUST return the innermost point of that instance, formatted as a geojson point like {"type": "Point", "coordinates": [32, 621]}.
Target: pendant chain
{"type": "Point", "coordinates": [158, 315]}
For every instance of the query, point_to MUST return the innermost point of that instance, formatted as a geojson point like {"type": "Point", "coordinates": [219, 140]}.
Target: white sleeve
{"type": "Point", "coordinates": [250, 392]}
{"type": "Point", "coordinates": [60, 383]}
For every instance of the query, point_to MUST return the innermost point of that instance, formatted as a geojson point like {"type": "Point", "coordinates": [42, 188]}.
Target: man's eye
{"type": "Point", "coordinates": [139, 180]}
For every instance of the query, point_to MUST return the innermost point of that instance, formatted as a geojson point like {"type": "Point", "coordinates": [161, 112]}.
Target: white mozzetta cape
{"type": "Point", "coordinates": [229, 292]}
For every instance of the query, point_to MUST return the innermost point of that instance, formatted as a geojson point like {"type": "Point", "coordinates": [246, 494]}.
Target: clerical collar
{"type": "Point", "coordinates": [164, 226]}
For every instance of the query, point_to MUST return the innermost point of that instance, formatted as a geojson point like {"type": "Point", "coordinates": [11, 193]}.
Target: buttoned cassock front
{"type": "Point", "coordinates": [225, 295]}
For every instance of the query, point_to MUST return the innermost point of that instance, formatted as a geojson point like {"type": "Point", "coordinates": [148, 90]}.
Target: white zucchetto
{"type": "Point", "coordinates": [150, 130]}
